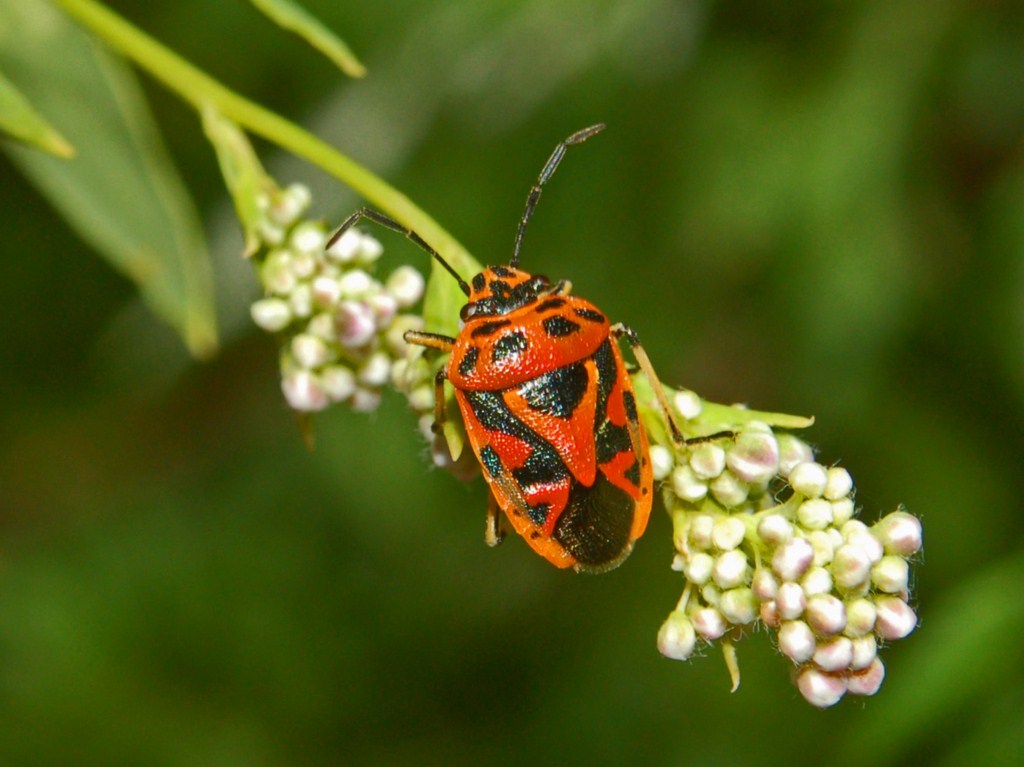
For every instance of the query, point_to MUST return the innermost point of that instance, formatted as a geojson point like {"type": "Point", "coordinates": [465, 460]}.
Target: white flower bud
{"type": "Point", "coordinates": [838, 483]}
{"type": "Point", "coordinates": [676, 638]}
{"type": "Point", "coordinates": [384, 308]}
{"type": "Point", "coordinates": [728, 490]}
{"type": "Point", "coordinates": [764, 584]}
{"type": "Point", "coordinates": [356, 326]}
{"type": "Point", "coordinates": [851, 567]}
{"type": "Point", "coordinates": [698, 569]}
{"type": "Point", "coordinates": [686, 485]}
{"type": "Point", "coordinates": [754, 457]}
{"type": "Point", "coordinates": [301, 300]}
{"type": "Point", "coordinates": [370, 248]}
{"type": "Point", "coordinates": [357, 284]}
{"type": "Point", "coordinates": [709, 623]}
{"type": "Point", "coordinates": [662, 462]}
{"type": "Point", "coordinates": [819, 688]}
{"type": "Point", "coordinates": [406, 285]}
{"type": "Point", "coordinates": [338, 382]}
{"type": "Point", "coordinates": [808, 479]}
{"type": "Point", "coordinates": [796, 641]}
{"type": "Point", "coordinates": [891, 574]}
{"type": "Point", "coordinates": [707, 460]}
{"type": "Point", "coordinates": [687, 403]}
{"type": "Point", "coordinates": [895, 618]}
{"type": "Point", "coordinates": [309, 351]}
{"type": "Point", "coordinates": [774, 529]}
{"type": "Point", "coordinates": [394, 336]}
{"type": "Point", "coordinates": [834, 655]}
{"type": "Point", "coordinates": [842, 511]}
{"type": "Point", "coordinates": [868, 681]}
{"type": "Point", "coordinates": [322, 326]}
{"type": "Point", "coordinates": [860, 617]}
{"type": "Point", "coordinates": [792, 559]}
{"type": "Point", "coordinates": [900, 533]}
{"type": "Point", "coordinates": [817, 580]}
{"type": "Point", "coordinates": [865, 650]}
{"type": "Point", "coordinates": [326, 291]}
{"type": "Point", "coordinates": [728, 532]}
{"type": "Point", "coordinates": [856, 533]}
{"type": "Point", "coordinates": [276, 273]}
{"type": "Point", "coordinates": [421, 399]}
{"type": "Point", "coordinates": [790, 601]}
{"type": "Point", "coordinates": [271, 314]}
{"type": "Point", "coordinates": [825, 614]}
{"type": "Point", "coordinates": [701, 527]}
{"type": "Point", "coordinates": [308, 237]}
{"type": "Point", "coordinates": [814, 514]}
{"type": "Point", "coordinates": [822, 544]}
{"type": "Point", "coordinates": [710, 593]}
{"type": "Point", "coordinates": [345, 248]}
{"type": "Point", "coordinates": [739, 606]}
{"type": "Point", "coordinates": [792, 451]}
{"type": "Point", "coordinates": [365, 400]}
{"type": "Point", "coordinates": [303, 391]}
{"type": "Point", "coordinates": [286, 207]}
{"type": "Point", "coordinates": [376, 370]}
{"type": "Point", "coordinates": [730, 569]}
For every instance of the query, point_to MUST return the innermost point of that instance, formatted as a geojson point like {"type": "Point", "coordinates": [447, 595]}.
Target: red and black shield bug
{"type": "Point", "coordinates": [548, 404]}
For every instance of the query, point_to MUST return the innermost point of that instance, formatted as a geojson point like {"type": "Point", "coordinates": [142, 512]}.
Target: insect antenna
{"type": "Point", "coordinates": [389, 223]}
{"type": "Point", "coordinates": [549, 169]}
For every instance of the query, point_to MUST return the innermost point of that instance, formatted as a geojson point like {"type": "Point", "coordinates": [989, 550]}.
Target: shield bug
{"type": "Point", "coordinates": [548, 404]}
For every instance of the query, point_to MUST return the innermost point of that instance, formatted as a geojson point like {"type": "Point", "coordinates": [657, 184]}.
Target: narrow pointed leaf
{"type": "Point", "coordinates": [120, 192]}
{"type": "Point", "coordinates": [295, 18]}
{"type": "Point", "coordinates": [22, 122]}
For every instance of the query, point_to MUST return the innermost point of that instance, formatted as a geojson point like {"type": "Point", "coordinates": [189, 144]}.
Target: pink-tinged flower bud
{"type": "Point", "coordinates": [309, 351]}
{"type": "Point", "coordinates": [303, 391]}
{"type": "Point", "coordinates": [792, 559]}
{"type": "Point", "coordinates": [769, 614]}
{"type": "Point", "coordinates": [754, 457]}
{"type": "Point", "coordinates": [709, 623]}
{"type": "Point", "coordinates": [820, 688]}
{"type": "Point", "coordinates": [895, 618]}
{"type": "Point", "coordinates": [900, 533]}
{"type": "Point", "coordinates": [867, 681]}
{"type": "Point", "coordinates": [730, 569]}
{"type": "Point", "coordinates": [796, 641]}
{"type": "Point", "coordinates": [834, 655]}
{"type": "Point", "coordinates": [851, 567]}
{"type": "Point", "coordinates": [764, 584]}
{"type": "Point", "coordinates": [792, 451]}
{"type": "Point", "coordinates": [365, 400]}
{"type": "Point", "coordinates": [338, 382]}
{"type": "Point", "coordinates": [728, 532]}
{"type": "Point", "coordinates": [384, 308]}
{"type": "Point", "coordinates": [825, 614]}
{"type": "Point", "coordinates": [676, 638]}
{"type": "Point", "coordinates": [775, 529]}
{"type": "Point", "coordinates": [790, 601]}
{"type": "Point", "coordinates": [356, 325]}
{"type": "Point", "coordinates": [808, 479]}
{"type": "Point", "coordinates": [865, 650]}
{"type": "Point", "coordinates": [326, 291]}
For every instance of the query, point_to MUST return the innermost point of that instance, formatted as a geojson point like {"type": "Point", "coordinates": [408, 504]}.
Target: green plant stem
{"type": "Point", "coordinates": [199, 89]}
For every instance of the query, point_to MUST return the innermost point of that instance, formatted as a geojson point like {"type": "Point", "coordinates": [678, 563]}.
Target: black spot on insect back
{"type": "Point", "coordinates": [468, 363]}
{"type": "Point", "coordinates": [551, 303]}
{"type": "Point", "coordinates": [479, 282]}
{"type": "Point", "coordinates": [489, 328]}
{"type": "Point", "coordinates": [558, 326]}
{"type": "Point", "coordinates": [509, 345]}
{"type": "Point", "coordinates": [557, 392]}
{"type": "Point", "coordinates": [589, 314]}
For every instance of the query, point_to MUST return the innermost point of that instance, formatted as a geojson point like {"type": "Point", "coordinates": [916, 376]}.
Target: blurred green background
{"type": "Point", "coordinates": [811, 207]}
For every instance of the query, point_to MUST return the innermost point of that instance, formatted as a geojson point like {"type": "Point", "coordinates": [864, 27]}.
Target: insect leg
{"type": "Point", "coordinates": [619, 331]}
{"type": "Point", "coordinates": [389, 223]}
{"type": "Point", "coordinates": [494, 533]}
{"type": "Point", "coordinates": [549, 169]}
{"type": "Point", "coordinates": [443, 344]}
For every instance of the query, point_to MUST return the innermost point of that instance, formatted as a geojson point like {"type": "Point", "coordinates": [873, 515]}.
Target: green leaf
{"type": "Point", "coordinates": [121, 192]}
{"type": "Point", "coordinates": [21, 121]}
{"type": "Point", "coordinates": [243, 173]}
{"type": "Point", "coordinates": [295, 18]}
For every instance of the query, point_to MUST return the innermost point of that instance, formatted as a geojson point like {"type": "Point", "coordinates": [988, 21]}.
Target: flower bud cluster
{"type": "Point", "coordinates": [829, 587]}
{"type": "Point", "coordinates": [341, 328]}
